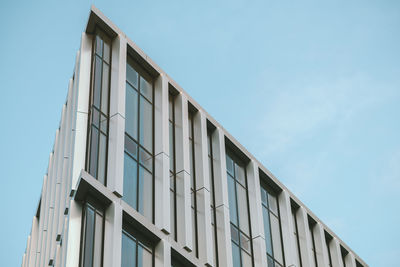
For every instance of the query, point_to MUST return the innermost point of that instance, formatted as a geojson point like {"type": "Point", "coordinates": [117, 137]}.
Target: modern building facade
{"type": "Point", "coordinates": [141, 175]}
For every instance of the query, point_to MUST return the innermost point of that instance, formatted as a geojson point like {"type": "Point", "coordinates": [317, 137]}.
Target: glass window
{"type": "Point", "coordinates": [139, 159]}
{"type": "Point", "coordinates": [92, 235]}
{"type": "Point", "coordinates": [131, 114]}
{"type": "Point", "coordinates": [96, 159]}
{"type": "Point", "coordinates": [134, 252]}
{"type": "Point", "coordinates": [146, 124]}
{"type": "Point", "coordinates": [272, 227]}
{"type": "Point", "coordinates": [238, 212]}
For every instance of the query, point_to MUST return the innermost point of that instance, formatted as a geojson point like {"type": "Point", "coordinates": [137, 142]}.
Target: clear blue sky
{"type": "Point", "coordinates": [311, 88]}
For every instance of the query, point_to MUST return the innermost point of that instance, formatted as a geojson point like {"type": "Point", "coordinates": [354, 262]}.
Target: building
{"type": "Point", "coordinates": [141, 175]}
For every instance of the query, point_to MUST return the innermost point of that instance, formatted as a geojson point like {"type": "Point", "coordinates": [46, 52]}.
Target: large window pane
{"type": "Point", "coordinates": [273, 204]}
{"type": "Point", "coordinates": [104, 88]}
{"type": "Point", "coordinates": [146, 89]}
{"type": "Point", "coordinates": [132, 76]}
{"type": "Point", "coordinates": [93, 151]}
{"type": "Point", "coordinates": [99, 45]}
{"type": "Point", "coordinates": [276, 239]}
{"type": "Point", "coordinates": [172, 216]}
{"type": "Point", "coordinates": [235, 255]}
{"type": "Point", "coordinates": [98, 245]}
{"type": "Point", "coordinates": [128, 253]}
{"type": "Point", "coordinates": [229, 165]}
{"type": "Point", "coordinates": [92, 237]}
{"type": "Point", "coordinates": [131, 113]}
{"type": "Point", "coordinates": [267, 231]}
{"type": "Point", "coordinates": [97, 82]}
{"type": "Point", "coordinates": [130, 147]}
{"type": "Point", "coordinates": [146, 159]}
{"type": "Point", "coordinates": [101, 176]}
{"type": "Point", "coordinates": [145, 193]}
{"type": "Point", "coordinates": [145, 257]}
{"type": "Point", "coordinates": [243, 211]}
{"type": "Point", "coordinates": [146, 124]}
{"type": "Point", "coordinates": [239, 174]}
{"type": "Point", "coordinates": [246, 259]}
{"type": "Point", "coordinates": [89, 235]}
{"type": "Point", "coordinates": [232, 201]}
{"type": "Point", "coordinates": [130, 181]}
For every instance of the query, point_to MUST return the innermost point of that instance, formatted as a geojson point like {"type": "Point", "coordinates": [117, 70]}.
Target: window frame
{"type": "Point", "coordinates": [237, 161]}
{"type": "Point", "coordinates": [138, 238]}
{"type": "Point", "coordinates": [98, 32]}
{"type": "Point", "coordinates": [98, 209]}
{"type": "Point", "coordinates": [142, 74]}
{"type": "Point", "coordinates": [270, 191]}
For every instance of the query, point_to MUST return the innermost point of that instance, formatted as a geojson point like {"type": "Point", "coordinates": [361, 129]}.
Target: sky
{"type": "Point", "coordinates": [310, 88]}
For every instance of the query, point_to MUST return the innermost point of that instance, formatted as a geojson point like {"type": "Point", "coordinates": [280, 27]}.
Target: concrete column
{"type": "Point", "coordinates": [74, 235]}
{"type": "Point", "coordinates": [82, 102]}
{"type": "Point", "coordinates": [54, 190]}
{"type": "Point", "coordinates": [289, 243]}
{"type": "Point", "coordinates": [336, 254]}
{"type": "Point", "coordinates": [64, 177]}
{"type": "Point", "coordinates": [184, 218]}
{"type": "Point", "coordinates": [161, 155]}
{"type": "Point", "coordinates": [113, 235]}
{"type": "Point", "coordinates": [58, 178]}
{"type": "Point", "coordinates": [205, 243]}
{"type": "Point", "coordinates": [34, 238]}
{"type": "Point", "coordinates": [46, 203]}
{"type": "Point", "coordinates": [162, 254]}
{"type": "Point", "coordinates": [41, 221]}
{"type": "Point", "coordinates": [57, 255]}
{"type": "Point", "coordinates": [27, 251]}
{"type": "Point", "coordinates": [304, 237]}
{"type": "Point", "coordinates": [115, 166]}
{"type": "Point", "coordinates": [350, 260]}
{"type": "Point", "coordinates": [65, 242]}
{"type": "Point", "coordinates": [320, 244]}
{"type": "Point", "coordinates": [256, 219]}
{"type": "Point", "coordinates": [23, 260]}
{"type": "Point", "coordinates": [71, 134]}
{"type": "Point", "coordinates": [221, 199]}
